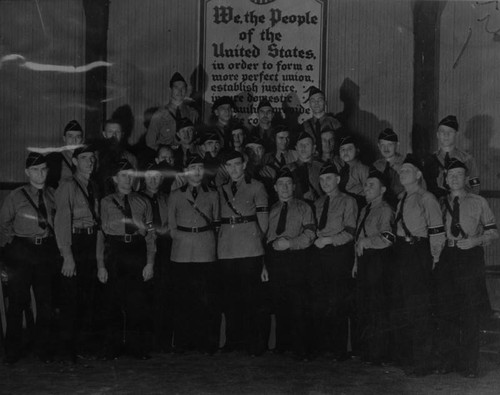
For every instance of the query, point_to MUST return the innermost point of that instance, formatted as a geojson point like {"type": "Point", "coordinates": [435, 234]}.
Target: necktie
{"type": "Point", "coordinates": [455, 218]}
{"type": "Point", "coordinates": [387, 171]}
{"type": "Point", "coordinates": [304, 177]}
{"type": "Point", "coordinates": [90, 193]}
{"type": "Point", "coordinates": [362, 223]}
{"type": "Point", "coordinates": [344, 177]}
{"type": "Point", "coordinates": [234, 188]}
{"type": "Point", "coordinates": [324, 214]}
{"type": "Point", "coordinates": [129, 224]}
{"type": "Point", "coordinates": [42, 222]}
{"type": "Point", "coordinates": [282, 219]}
{"type": "Point", "coordinates": [318, 129]}
{"type": "Point", "coordinates": [178, 115]}
{"type": "Point", "coordinates": [156, 211]}
{"type": "Point", "coordinates": [194, 192]}
{"type": "Point", "coordinates": [399, 216]}
{"type": "Point", "coordinates": [282, 160]}
{"type": "Point", "coordinates": [447, 161]}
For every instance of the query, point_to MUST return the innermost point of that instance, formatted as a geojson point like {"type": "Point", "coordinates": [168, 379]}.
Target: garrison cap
{"type": "Point", "coordinates": [208, 136]}
{"type": "Point", "coordinates": [388, 135]}
{"type": "Point", "coordinates": [233, 155]}
{"type": "Point", "coordinates": [123, 165]}
{"type": "Point", "coordinates": [73, 126]}
{"type": "Point", "coordinates": [35, 159]}
{"type": "Point", "coordinates": [177, 77]}
{"type": "Point", "coordinates": [450, 121]}
{"type": "Point", "coordinates": [329, 168]}
{"type": "Point", "coordinates": [305, 135]}
{"type": "Point", "coordinates": [223, 100]}
{"type": "Point", "coordinates": [412, 160]}
{"type": "Point", "coordinates": [263, 103]}
{"type": "Point", "coordinates": [194, 160]}
{"type": "Point", "coordinates": [348, 140]}
{"type": "Point", "coordinates": [82, 149]}
{"type": "Point", "coordinates": [312, 91]}
{"type": "Point", "coordinates": [456, 164]}
{"type": "Point", "coordinates": [284, 173]}
{"type": "Point", "coordinates": [183, 123]}
{"type": "Point", "coordinates": [374, 173]}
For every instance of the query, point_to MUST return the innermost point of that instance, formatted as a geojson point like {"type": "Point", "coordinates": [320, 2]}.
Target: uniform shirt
{"type": "Point", "coordinates": [19, 218]}
{"type": "Point", "coordinates": [192, 246]}
{"type": "Point", "coordinates": [358, 173]}
{"type": "Point", "coordinates": [308, 189]}
{"type": "Point", "coordinates": [436, 175]}
{"type": "Point", "coordinates": [60, 167]}
{"type": "Point", "coordinates": [476, 217]}
{"type": "Point", "coordinates": [273, 159]}
{"type": "Point", "coordinates": [113, 220]}
{"type": "Point", "coordinates": [377, 227]}
{"type": "Point", "coordinates": [326, 122]}
{"type": "Point", "coordinates": [341, 219]}
{"type": "Point", "coordinates": [423, 218]}
{"type": "Point", "coordinates": [242, 240]}
{"type": "Point", "coordinates": [72, 210]}
{"type": "Point", "coordinates": [393, 173]}
{"type": "Point", "coordinates": [162, 199]}
{"type": "Point", "coordinates": [163, 126]}
{"type": "Point", "coordinates": [300, 229]}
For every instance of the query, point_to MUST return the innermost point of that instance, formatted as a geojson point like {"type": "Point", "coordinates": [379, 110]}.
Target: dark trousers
{"type": "Point", "coordinates": [411, 300]}
{"type": "Point", "coordinates": [242, 303]}
{"type": "Point", "coordinates": [127, 311]}
{"type": "Point", "coordinates": [373, 304]}
{"type": "Point", "coordinates": [163, 304]}
{"type": "Point", "coordinates": [460, 282]}
{"type": "Point", "coordinates": [77, 295]}
{"type": "Point", "coordinates": [331, 290]}
{"type": "Point", "coordinates": [196, 322]}
{"type": "Point", "coordinates": [290, 299]}
{"type": "Point", "coordinates": [30, 265]}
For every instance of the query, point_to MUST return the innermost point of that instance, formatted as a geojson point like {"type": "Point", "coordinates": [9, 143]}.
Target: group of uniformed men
{"type": "Point", "coordinates": [234, 221]}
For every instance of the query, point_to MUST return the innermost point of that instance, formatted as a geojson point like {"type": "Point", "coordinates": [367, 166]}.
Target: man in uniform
{"type": "Point", "coordinates": [436, 164]}
{"type": "Point", "coordinates": [223, 111]}
{"type": "Point", "coordinates": [60, 165]}
{"type": "Point", "coordinates": [264, 130]}
{"type": "Point", "coordinates": [244, 222]}
{"type": "Point", "coordinates": [306, 170]}
{"type": "Point", "coordinates": [291, 231]}
{"type": "Point", "coordinates": [281, 155]}
{"type": "Point", "coordinates": [331, 269]}
{"type": "Point", "coordinates": [470, 225]}
{"type": "Point", "coordinates": [26, 225]}
{"type": "Point", "coordinates": [327, 145]}
{"type": "Point", "coordinates": [320, 119]}
{"type": "Point", "coordinates": [162, 281]}
{"type": "Point", "coordinates": [163, 125]}
{"type": "Point", "coordinates": [126, 264]}
{"type": "Point", "coordinates": [419, 240]}
{"type": "Point", "coordinates": [76, 225]}
{"type": "Point", "coordinates": [373, 240]}
{"type": "Point", "coordinates": [389, 165]}
{"type": "Point", "coordinates": [185, 135]}
{"type": "Point", "coordinates": [193, 214]}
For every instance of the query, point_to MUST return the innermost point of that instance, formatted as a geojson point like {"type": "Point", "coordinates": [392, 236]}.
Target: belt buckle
{"type": "Point", "coordinates": [409, 240]}
{"type": "Point", "coordinates": [127, 238]}
{"type": "Point", "coordinates": [232, 220]}
{"type": "Point", "coordinates": [90, 230]}
{"type": "Point", "coordinates": [452, 243]}
{"type": "Point", "coordinates": [38, 240]}
{"type": "Point", "coordinates": [194, 230]}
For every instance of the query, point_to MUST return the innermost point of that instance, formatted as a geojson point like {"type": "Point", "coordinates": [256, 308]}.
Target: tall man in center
{"type": "Point", "coordinates": [244, 222]}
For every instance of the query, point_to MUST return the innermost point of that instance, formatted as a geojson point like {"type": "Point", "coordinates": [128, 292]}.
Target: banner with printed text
{"type": "Point", "coordinates": [256, 49]}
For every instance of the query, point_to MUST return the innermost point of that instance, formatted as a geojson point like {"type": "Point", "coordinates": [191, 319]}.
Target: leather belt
{"type": "Point", "coordinates": [90, 230]}
{"type": "Point", "coordinates": [37, 240]}
{"type": "Point", "coordinates": [193, 230]}
{"type": "Point", "coordinates": [410, 239]}
{"type": "Point", "coordinates": [452, 243]}
{"type": "Point", "coordinates": [125, 238]}
{"type": "Point", "coordinates": [239, 220]}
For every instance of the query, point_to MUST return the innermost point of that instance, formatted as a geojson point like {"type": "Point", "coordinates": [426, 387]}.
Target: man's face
{"type": "Point", "coordinates": [165, 154]}
{"type": "Point", "coordinates": [456, 179]}
{"type": "Point", "coordinates": [73, 137]}
{"type": "Point", "coordinates": [327, 142]}
{"type": "Point", "coordinates": [153, 179]}
{"type": "Point", "coordinates": [446, 136]}
{"type": "Point", "coordinates": [235, 168]}
{"type": "Point", "coordinates": [373, 189]}
{"type": "Point", "coordinates": [195, 173]}
{"type": "Point", "coordinates": [185, 135]}
{"type": "Point", "coordinates": [347, 152]}
{"type": "Point", "coordinates": [265, 116]}
{"type": "Point", "coordinates": [85, 162]}
{"type": "Point", "coordinates": [284, 187]}
{"type": "Point", "coordinates": [387, 148]}
{"type": "Point", "coordinates": [238, 137]}
{"type": "Point", "coordinates": [112, 130]}
{"type": "Point", "coordinates": [224, 113]}
{"type": "Point", "coordinates": [305, 149]}
{"type": "Point", "coordinates": [210, 147]}
{"type": "Point", "coordinates": [37, 174]}
{"type": "Point", "coordinates": [282, 140]}
{"type": "Point", "coordinates": [178, 91]}
{"type": "Point", "coordinates": [256, 153]}
{"type": "Point", "coordinates": [317, 103]}
{"type": "Point", "coordinates": [409, 174]}
{"type": "Point", "coordinates": [123, 180]}
{"type": "Point", "coordinates": [329, 182]}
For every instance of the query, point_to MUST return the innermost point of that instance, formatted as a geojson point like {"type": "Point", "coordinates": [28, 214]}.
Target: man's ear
{"type": "Point", "coordinates": [74, 161]}
{"type": "Point", "coordinates": [244, 164]}
{"type": "Point", "coordinates": [26, 172]}
{"type": "Point", "coordinates": [115, 179]}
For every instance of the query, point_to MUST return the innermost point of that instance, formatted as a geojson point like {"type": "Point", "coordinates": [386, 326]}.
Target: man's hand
{"type": "Point", "coordinates": [355, 269]}
{"type": "Point", "coordinates": [361, 246]}
{"type": "Point", "coordinates": [68, 268]}
{"type": "Point", "coordinates": [147, 272]}
{"type": "Point", "coordinates": [320, 242]}
{"type": "Point", "coordinates": [281, 244]}
{"type": "Point", "coordinates": [102, 275]}
{"type": "Point", "coordinates": [264, 275]}
{"type": "Point", "coordinates": [467, 244]}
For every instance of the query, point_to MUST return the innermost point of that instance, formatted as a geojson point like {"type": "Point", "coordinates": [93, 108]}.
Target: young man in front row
{"type": "Point", "coordinates": [470, 225]}
{"type": "Point", "coordinates": [291, 232]}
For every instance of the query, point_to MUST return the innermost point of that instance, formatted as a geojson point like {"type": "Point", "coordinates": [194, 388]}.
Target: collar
{"type": "Point", "coordinates": [377, 202]}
